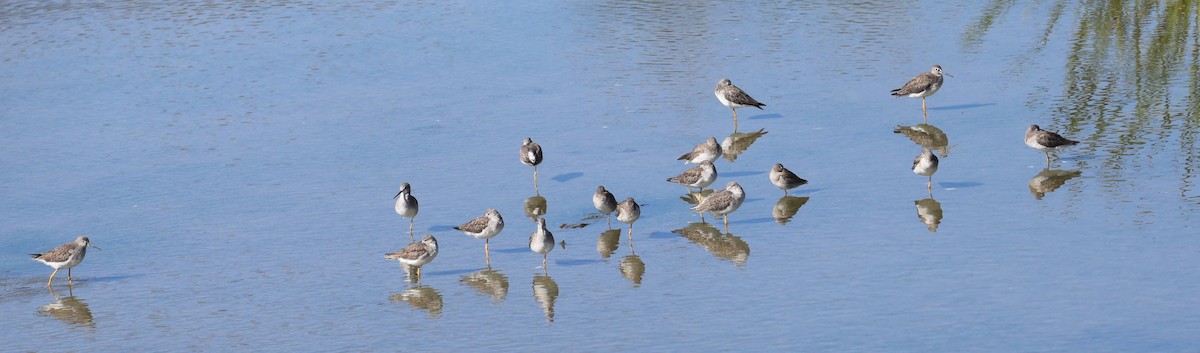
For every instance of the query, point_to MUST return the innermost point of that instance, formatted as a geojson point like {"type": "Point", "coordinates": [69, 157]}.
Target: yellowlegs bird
{"type": "Point", "coordinates": [700, 176]}
{"type": "Point", "coordinates": [924, 85]}
{"type": "Point", "coordinates": [925, 165]}
{"type": "Point", "coordinates": [406, 206]}
{"type": "Point", "coordinates": [484, 227]}
{"type": "Point", "coordinates": [541, 241]}
{"type": "Point", "coordinates": [531, 155]}
{"type": "Point", "coordinates": [416, 254]}
{"type": "Point", "coordinates": [65, 256]}
{"type": "Point", "coordinates": [733, 97]}
{"type": "Point", "coordinates": [628, 212]}
{"type": "Point", "coordinates": [784, 178]}
{"type": "Point", "coordinates": [710, 150]}
{"type": "Point", "coordinates": [722, 203]}
{"type": "Point", "coordinates": [1046, 141]}
{"type": "Point", "coordinates": [604, 202]}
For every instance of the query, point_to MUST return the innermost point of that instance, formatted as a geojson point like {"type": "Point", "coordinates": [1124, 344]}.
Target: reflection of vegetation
{"type": "Point", "coordinates": [1129, 66]}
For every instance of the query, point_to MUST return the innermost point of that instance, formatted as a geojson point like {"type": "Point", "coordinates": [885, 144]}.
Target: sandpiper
{"type": "Point", "coordinates": [710, 150]}
{"type": "Point", "coordinates": [784, 178]}
{"type": "Point", "coordinates": [733, 97]}
{"type": "Point", "coordinates": [416, 254]}
{"type": "Point", "coordinates": [700, 176]}
{"type": "Point", "coordinates": [628, 212]}
{"type": "Point", "coordinates": [604, 202]}
{"type": "Point", "coordinates": [722, 203]}
{"type": "Point", "coordinates": [925, 165]}
{"type": "Point", "coordinates": [1046, 141]}
{"type": "Point", "coordinates": [531, 155]}
{"type": "Point", "coordinates": [924, 85]}
{"type": "Point", "coordinates": [65, 256]}
{"type": "Point", "coordinates": [542, 241]}
{"type": "Point", "coordinates": [484, 227]}
{"type": "Point", "coordinates": [406, 206]}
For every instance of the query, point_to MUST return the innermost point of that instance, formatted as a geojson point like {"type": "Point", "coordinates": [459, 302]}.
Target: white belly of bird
{"type": "Point", "coordinates": [403, 209]}
{"type": "Point", "coordinates": [727, 103]}
{"type": "Point", "coordinates": [488, 233]}
{"type": "Point", "coordinates": [927, 92]}
{"type": "Point", "coordinates": [420, 261]}
{"type": "Point", "coordinates": [925, 168]}
{"type": "Point", "coordinates": [1032, 142]}
{"type": "Point", "coordinates": [71, 262]}
{"type": "Point", "coordinates": [541, 247]}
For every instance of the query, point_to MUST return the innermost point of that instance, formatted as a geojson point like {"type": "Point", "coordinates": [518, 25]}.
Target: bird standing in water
{"type": "Point", "coordinates": [65, 256]}
{"type": "Point", "coordinates": [1046, 141]}
{"type": "Point", "coordinates": [921, 86]}
{"type": "Point", "coordinates": [733, 97]}
{"type": "Point", "coordinates": [531, 155]}
{"type": "Point", "coordinates": [406, 206]}
{"type": "Point", "coordinates": [541, 241]}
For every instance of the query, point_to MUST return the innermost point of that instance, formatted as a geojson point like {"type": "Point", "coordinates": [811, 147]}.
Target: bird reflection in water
{"type": "Point", "coordinates": [787, 207]}
{"type": "Point", "coordinates": [738, 142]}
{"type": "Point", "coordinates": [606, 244]}
{"type": "Point", "coordinates": [535, 206]}
{"type": "Point", "coordinates": [725, 246]}
{"type": "Point", "coordinates": [545, 292]}
{"type": "Point", "coordinates": [1049, 180]}
{"type": "Point", "coordinates": [928, 136]}
{"type": "Point", "coordinates": [633, 268]}
{"type": "Point", "coordinates": [69, 309]}
{"type": "Point", "coordinates": [488, 282]}
{"type": "Point", "coordinates": [929, 211]}
{"type": "Point", "coordinates": [422, 297]}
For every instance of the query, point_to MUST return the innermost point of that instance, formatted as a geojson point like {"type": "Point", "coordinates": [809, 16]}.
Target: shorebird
{"type": "Point", "coordinates": [700, 176]}
{"type": "Point", "coordinates": [628, 212]}
{"type": "Point", "coordinates": [925, 165]}
{"type": "Point", "coordinates": [542, 241]}
{"type": "Point", "coordinates": [416, 254]}
{"type": "Point", "coordinates": [604, 202]}
{"type": "Point", "coordinates": [785, 179]}
{"type": "Point", "coordinates": [406, 206]}
{"type": "Point", "coordinates": [484, 227]}
{"type": "Point", "coordinates": [65, 256]}
{"type": "Point", "coordinates": [722, 203]}
{"type": "Point", "coordinates": [531, 155]}
{"type": "Point", "coordinates": [1046, 141]}
{"type": "Point", "coordinates": [710, 150]}
{"type": "Point", "coordinates": [924, 85]}
{"type": "Point", "coordinates": [733, 97]}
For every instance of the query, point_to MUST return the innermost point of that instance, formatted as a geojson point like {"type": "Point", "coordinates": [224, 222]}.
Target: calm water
{"type": "Point", "coordinates": [236, 161]}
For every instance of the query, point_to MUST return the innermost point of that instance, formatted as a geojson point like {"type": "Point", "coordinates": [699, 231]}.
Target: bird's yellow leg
{"type": "Point", "coordinates": [51, 281]}
{"type": "Point", "coordinates": [924, 112]}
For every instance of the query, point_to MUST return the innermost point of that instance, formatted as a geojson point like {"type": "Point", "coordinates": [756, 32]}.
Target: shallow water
{"type": "Point", "coordinates": [236, 161]}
